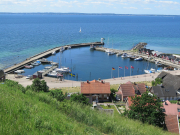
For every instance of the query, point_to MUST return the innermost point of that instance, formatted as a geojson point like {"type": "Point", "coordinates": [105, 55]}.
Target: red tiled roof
{"type": "Point", "coordinates": [130, 100]}
{"type": "Point", "coordinates": [127, 90]}
{"type": "Point", "coordinates": [141, 87]}
{"type": "Point", "coordinates": [95, 87]}
{"type": "Point", "coordinates": [171, 109]}
{"type": "Point", "coordinates": [172, 123]}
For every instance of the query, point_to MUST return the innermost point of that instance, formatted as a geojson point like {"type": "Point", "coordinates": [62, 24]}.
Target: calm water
{"type": "Point", "coordinates": [25, 35]}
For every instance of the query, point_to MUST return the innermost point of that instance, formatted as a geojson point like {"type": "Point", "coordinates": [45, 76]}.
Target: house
{"type": "Point", "coordinates": [96, 91]}
{"type": "Point", "coordinates": [172, 112]}
{"type": "Point", "coordinates": [129, 89]}
{"type": "Point", "coordinates": [156, 53]}
{"type": "Point", "coordinates": [169, 89]}
{"type": "Point", "coordinates": [2, 75]}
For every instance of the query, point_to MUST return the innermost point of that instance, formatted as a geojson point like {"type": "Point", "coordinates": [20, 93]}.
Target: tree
{"type": "Point", "coordinates": [113, 93]}
{"type": "Point", "coordinates": [146, 108]}
{"type": "Point", "coordinates": [156, 82]}
{"type": "Point", "coordinates": [79, 98]}
{"type": "Point", "coordinates": [58, 94]}
{"type": "Point", "coordinates": [39, 85]}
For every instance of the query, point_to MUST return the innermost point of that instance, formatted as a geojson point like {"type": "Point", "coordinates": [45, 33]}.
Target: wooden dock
{"type": "Point", "coordinates": [144, 56]}
{"type": "Point", "coordinates": [45, 54]}
{"type": "Point", "coordinates": [49, 70]}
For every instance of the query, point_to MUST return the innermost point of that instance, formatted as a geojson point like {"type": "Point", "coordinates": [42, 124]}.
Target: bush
{"type": "Point", "coordinates": [156, 82]}
{"type": "Point", "coordinates": [58, 94]}
{"type": "Point", "coordinates": [79, 98]}
{"type": "Point", "coordinates": [39, 85]}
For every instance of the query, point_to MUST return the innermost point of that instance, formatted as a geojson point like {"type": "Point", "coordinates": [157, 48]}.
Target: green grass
{"type": "Point", "coordinates": [70, 89]}
{"type": "Point", "coordinates": [116, 114]}
{"type": "Point", "coordinates": [38, 113]}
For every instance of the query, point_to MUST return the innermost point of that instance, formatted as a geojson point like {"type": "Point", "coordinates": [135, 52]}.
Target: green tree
{"type": "Point", "coordinates": [113, 93]}
{"type": "Point", "coordinates": [39, 85]}
{"type": "Point", "coordinates": [58, 94]}
{"type": "Point", "coordinates": [156, 82]}
{"type": "Point", "coordinates": [79, 98]}
{"type": "Point", "coordinates": [147, 109]}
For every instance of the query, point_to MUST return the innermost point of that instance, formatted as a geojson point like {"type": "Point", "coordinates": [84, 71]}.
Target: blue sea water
{"type": "Point", "coordinates": [24, 35]}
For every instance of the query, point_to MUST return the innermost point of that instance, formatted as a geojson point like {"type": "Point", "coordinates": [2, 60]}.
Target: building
{"type": "Point", "coordinates": [37, 75]}
{"type": "Point", "coordinates": [96, 91]}
{"type": "Point", "coordinates": [2, 75]}
{"type": "Point", "coordinates": [169, 89]}
{"type": "Point", "coordinates": [129, 89]}
{"type": "Point", "coordinates": [172, 112]}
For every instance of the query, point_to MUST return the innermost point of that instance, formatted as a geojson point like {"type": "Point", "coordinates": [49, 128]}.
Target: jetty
{"type": "Point", "coordinates": [144, 56]}
{"type": "Point", "coordinates": [46, 54]}
{"type": "Point", "coordinates": [49, 70]}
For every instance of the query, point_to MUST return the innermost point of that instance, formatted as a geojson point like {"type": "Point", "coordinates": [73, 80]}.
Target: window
{"type": "Point", "coordinates": [105, 96]}
{"type": "Point", "coordinates": [178, 109]}
{"type": "Point", "coordinates": [100, 96]}
{"type": "Point", "coordinates": [163, 110]}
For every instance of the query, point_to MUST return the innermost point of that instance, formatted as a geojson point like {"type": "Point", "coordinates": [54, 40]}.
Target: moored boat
{"type": "Point", "coordinates": [124, 55]}
{"type": "Point", "coordinates": [139, 59]}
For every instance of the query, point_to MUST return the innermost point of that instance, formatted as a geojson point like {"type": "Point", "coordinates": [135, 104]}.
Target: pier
{"type": "Point", "coordinates": [144, 56]}
{"type": "Point", "coordinates": [49, 70]}
{"type": "Point", "coordinates": [46, 54]}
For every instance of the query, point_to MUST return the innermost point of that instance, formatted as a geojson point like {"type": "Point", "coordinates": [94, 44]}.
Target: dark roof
{"type": "Point", "coordinates": [2, 73]}
{"type": "Point", "coordinates": [162, 75]}
{"type": "Point", "coordinates": [161, 91]}
{"type": "Point", "coordinates": [171, 81]}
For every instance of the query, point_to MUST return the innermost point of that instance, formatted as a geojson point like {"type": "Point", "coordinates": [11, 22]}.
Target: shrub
{"type": "Point", "coordinates": [58, 94]}
{"type": "Point", "coordinates": [39, 85]}
{"type": "Point", "coordinates": [79, 98]}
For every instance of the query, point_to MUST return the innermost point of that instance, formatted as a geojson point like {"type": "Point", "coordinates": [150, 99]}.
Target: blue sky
{"type": "Point", "coordinates": [164, 7]}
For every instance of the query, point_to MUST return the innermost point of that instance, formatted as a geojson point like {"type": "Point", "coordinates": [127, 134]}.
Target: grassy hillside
{"type": "Point", "coordinates": [38, 113]}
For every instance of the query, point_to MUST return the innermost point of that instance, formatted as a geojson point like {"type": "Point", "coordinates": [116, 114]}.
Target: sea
{"type": "Point", "coordinates": [24, 35]}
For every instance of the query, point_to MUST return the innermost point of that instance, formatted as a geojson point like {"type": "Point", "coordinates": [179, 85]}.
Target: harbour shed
{"type": "Point", "coordinates": [96, 91]}
{"type": "Point", "coordinates": [2, 75]}
{"type": "Point", "coordinates": [37, 75]}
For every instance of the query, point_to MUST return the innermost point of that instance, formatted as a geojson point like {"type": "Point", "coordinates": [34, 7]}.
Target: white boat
{"type": "Point", "coordinates": [124, 55]}
{"type": "Point", "coordinates": [107, 51]}
{"type": "Point", "coordinates": [54, 63]}
{"type": "Point", "coordinates": [61, 49]}
{"type": "Point", "coordinates": [43, 60]}
{"type": "Point", "coordinates": [28, 66]}
{"type": "Point", "coordinates": [19, 71]}
{"type": "Point", "coordinates": [53, 52]}
{"type": "Point", "coordinates": [28, 77]}
{"type": "Point", "coordinates": [152, 70]}
{"type": "Point", "coordinates": [118, 54]}
{"type": "Point", "coordinates": [139, 59]}
{"type": "Point", "coordinates": [63, 70]}
{"type": "Point", "coordinates": [42, 71]}
{"type": "Point", "coordinates": [111, 53]}
{"type": "Point", "coordinates": [128, 56]}
{"type": "Point", "coordinates": [52, 74]}
{"type": "Point", "coordinates": [48, 67]}
{"type": "Point", "coordinates": [35, 64]}
{"type": "Point", "coordinates": [69, 47]}
{"type": "Point", "coordinates": [80, 30]}
{"type": "Point", "coordinates": [92, 47]}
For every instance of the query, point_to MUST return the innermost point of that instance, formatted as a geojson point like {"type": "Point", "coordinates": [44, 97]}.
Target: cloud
{"type": "Point", "coordinates": [130, 7]}
{"type": "Point", "coordinates": [147, 8]}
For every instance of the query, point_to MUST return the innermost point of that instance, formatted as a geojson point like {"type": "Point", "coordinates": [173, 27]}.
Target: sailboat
{"type": "Point", "coordinates": [80, 30]}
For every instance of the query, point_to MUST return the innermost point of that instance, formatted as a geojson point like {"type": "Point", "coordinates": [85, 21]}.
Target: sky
{"type": "Point", "coordinates": [160, 7]}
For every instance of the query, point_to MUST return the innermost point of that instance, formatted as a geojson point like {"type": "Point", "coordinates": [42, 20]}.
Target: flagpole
{"type": "Point", "coordinates": [130, 71]}
{"type": "Point", "coordinates": [118, 72]}
{"type": "Point", "coordinates": [124, 72]}
{"type": "Point", "coordinates": [111, 73]}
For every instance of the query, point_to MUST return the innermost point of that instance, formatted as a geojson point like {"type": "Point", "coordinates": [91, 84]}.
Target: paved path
{"type": "Point", "coordinates": [54, 83]}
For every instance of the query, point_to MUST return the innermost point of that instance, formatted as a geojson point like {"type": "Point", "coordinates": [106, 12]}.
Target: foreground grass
{"type": "Point", "coordinates": [38, 113]}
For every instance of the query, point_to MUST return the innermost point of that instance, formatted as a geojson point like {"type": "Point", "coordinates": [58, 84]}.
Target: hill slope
{"type": "Point", "coordinates": [38, 113]}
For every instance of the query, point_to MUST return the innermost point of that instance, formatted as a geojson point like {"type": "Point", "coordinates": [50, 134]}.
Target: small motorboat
{"type": "Point", "coordinates": [110, 53]}
{"type": "Point", "coordinates": [28, 66]}
{"type": "Point", "coordinates": [158, 63]}
{"type": "Point", "coordinates": [139, 59]}
{"type": "Point", "coordinates": [69, 47]}
{"type": "Point", "coordinates": [35, 64]}
{"type": "Point", "coordinates": [92, 47]}
{"type": "Point", "coordinates": [43, 60]}
{"type": "Point", "coordinates": [28, 77]}
{"type": "Point", "coordinates": [118, 54]}
{"type": "Point", "coordinates": [19, 71]}
{"type": "Point", "coordinates": [53, 53]}
{"type": "Point", "coordinates": [107, 51]}
{"type": "Point", "coordinates": [133, 57]}
{"type": "Point", "coordinates": [52, 74]}
{"type": "Point", "coordinates": [61, 49]}
{"type": "Point", "coordinates": [124, 55]}
{"type": "Point", "coordinates": [42, 71]}
{"type": "Point", "coordinates": [152, 70]}
{"type": "Point", "coordinates": [54, 63]}
{"type": "Point", "coordinates": [48, 67]}
{"type": "Point", "coordinates": [128, 56]}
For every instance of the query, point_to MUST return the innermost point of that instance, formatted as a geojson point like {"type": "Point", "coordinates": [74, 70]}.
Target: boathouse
{"type": "Point", "coordinates": [96, 91]}
{"type": "Point", "coordinates": [2, 75]}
